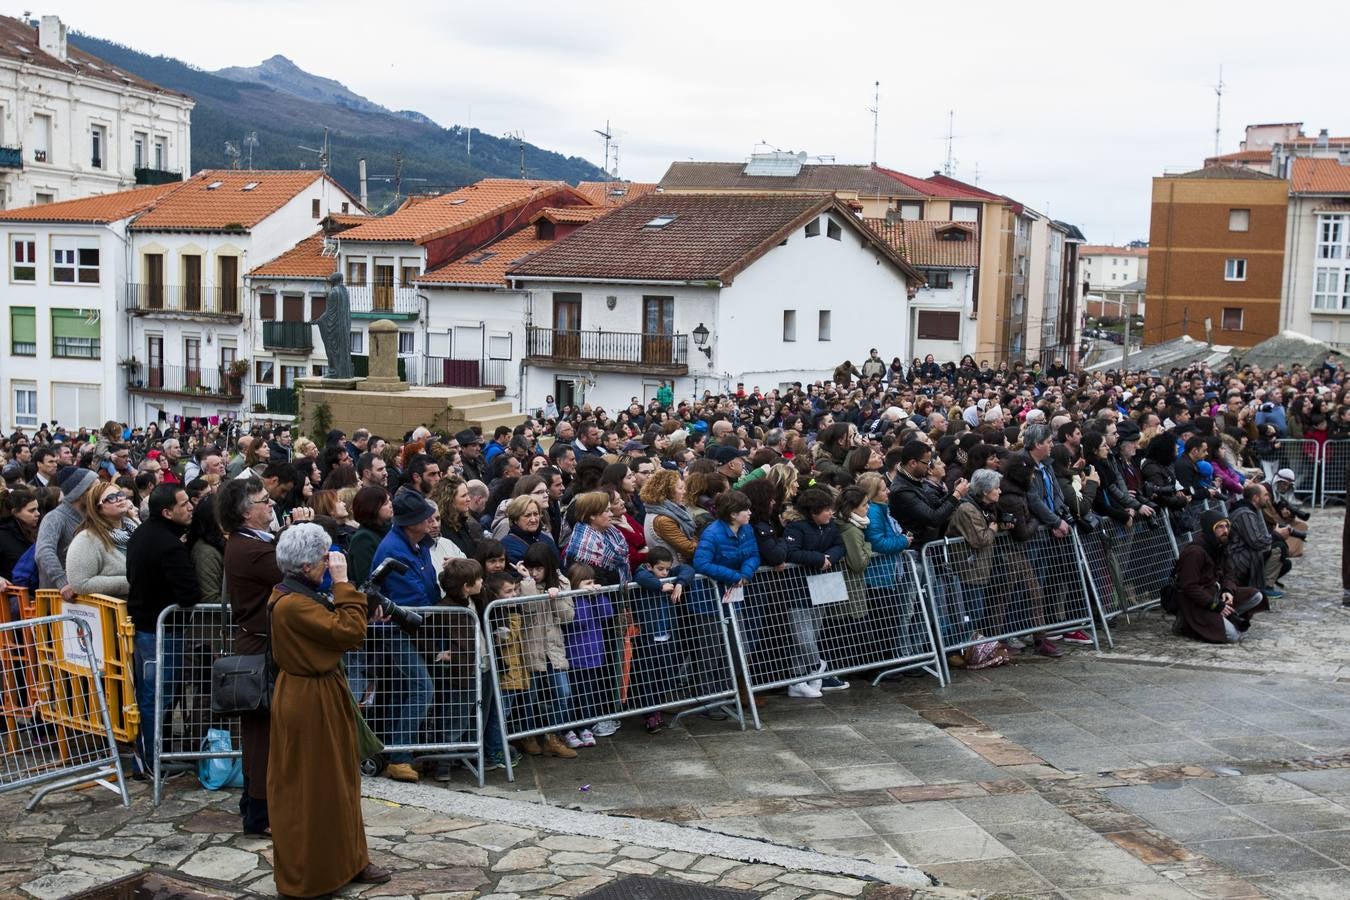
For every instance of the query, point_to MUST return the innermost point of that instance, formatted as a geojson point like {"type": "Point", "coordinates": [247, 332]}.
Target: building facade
{"type": "Point", "coordinates": [1316, 281]}
{"type": "Point", "coordinates": [941, 312]}
{"type": "Point", "coordinates": [1107, 268]}
{"type": "Point", "coordinates": [1216, 255]}
{"type": "Point", "coordinates": [72, 125]}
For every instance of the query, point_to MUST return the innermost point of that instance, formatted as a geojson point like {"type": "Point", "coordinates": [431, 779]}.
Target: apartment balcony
{"type": "Point", "coordinates": [11, 157]}
{"type": "Point", "coordinates": [146, 176]}
{"type": "Point", "coordinates": [439, 371]}
{"type": "Point", "coordinates": [288, 336]}
{"type": "Point", "coordinates": [384, 301]}
{"type": "Point", "coordinates": [608, 351]}
{"type": "Point", "coordinates": [267, 399]}
{"type": "Point", "coordinates": [185, 301]}
{"type": "Point", "coordinates": [199, 383]}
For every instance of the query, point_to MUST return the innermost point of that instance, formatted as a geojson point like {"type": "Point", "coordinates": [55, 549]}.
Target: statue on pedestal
{"type": "Point", "coordinates": [335, 327]}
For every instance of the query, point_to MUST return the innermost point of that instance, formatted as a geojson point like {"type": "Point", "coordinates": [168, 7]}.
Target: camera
{"type": "Point", "coordinates": [408, 621]}
{"type": "Point", "coordinates": [1007, 518]}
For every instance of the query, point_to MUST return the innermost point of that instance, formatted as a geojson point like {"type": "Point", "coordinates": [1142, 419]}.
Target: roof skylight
{"type": "Point", "coordinates": [659, 222]}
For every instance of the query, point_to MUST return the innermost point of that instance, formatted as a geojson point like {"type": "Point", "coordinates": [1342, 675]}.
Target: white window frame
{"type": "Point", "coordinates": [140, 148]}
{"type": "Point", "coordinates": [25, 403]}
{"type": "Point", "coordinates": [65, 254]}
{"type": "Point", "coordinates": [30, 240]}
{"type": "Point", "coordinates": [1239, 216]}
{"type": "Point", "coordinates": [823, 318]}
{"type": "Point", "coordinates": [789, 326]}
{"type": "Point", "coordinates": [407, 343]}
{"type": "Point", "coordinates": [98, 139]}
{"type": "Point", "coordinates": [1235, 269]}
{"type": "Point", "coordinates": [1223, 314]}
{"type": "Point", "coordinates": [1333, 237]}
{"type": "Point", "coordinates": [160, 152]}
{"type": "Point", "coordinates": [357, 342]}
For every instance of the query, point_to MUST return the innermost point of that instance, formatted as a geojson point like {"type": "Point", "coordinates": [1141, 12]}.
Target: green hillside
{"type": "Point", "coordinates": [227, 110]}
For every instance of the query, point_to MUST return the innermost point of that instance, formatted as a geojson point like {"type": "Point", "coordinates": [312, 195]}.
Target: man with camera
{"type": "Point", "coordinates": [409, 542]}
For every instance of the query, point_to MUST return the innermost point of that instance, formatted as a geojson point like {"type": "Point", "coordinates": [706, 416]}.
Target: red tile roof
{"type": "Point", "coordinates": [1108, 250]}
{"type": "Point", "coordinates": [487, 267]}
{"type": "Point", "coordinates": [195, 205]}
{"type": "Point", "coordinates": [96, 210]}
{"type": "Point", "coordinates": [921, 242]}
{"type": "Point", "coordinates": [863, 180]}
{"type": "Point", "coordinates": [16, 34]}
{"type": "Point", "coordinates": [427, 219]}
{"type": "Point", "coordinates": [571, 215]}
{"type": "Point", "coordinates": [1334, 206]}
{"type": "Point", "coordinates": [927, 187]}
{"type": "Point", "coordinates": [306, 259]}
{"type": "Point", "coordinates": [710, 237]}
{"type": "Point", "coordinates": [614, 193]}
{"type": "Point", "coordinates": [1240, 156]}
{"type": "Point", "coordinates": [1319, 176]}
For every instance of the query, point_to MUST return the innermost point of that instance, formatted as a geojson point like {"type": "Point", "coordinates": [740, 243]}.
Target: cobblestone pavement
{"type": "Point", "coordinates": [1162, 768]}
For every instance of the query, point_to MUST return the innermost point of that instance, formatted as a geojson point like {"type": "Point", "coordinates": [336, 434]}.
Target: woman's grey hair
{"type": "Point", "coordinates": [301, 545]}
{"type": "Point", "coordinates": [981, 482]}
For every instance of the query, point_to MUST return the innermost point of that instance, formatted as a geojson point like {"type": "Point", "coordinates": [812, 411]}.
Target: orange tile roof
{"type": "Point", "coordinates": [1319, 176]}
{"type": "Point", "coordinates": [571, 215]}
{"type": "Point", "coordinates": [425, 220]}
{"type": "Point", "coordinates": [487, 267]}
{"type": "Point", "coordinates": [615, 193]}
{"type": "Point", "coordinates": [1334, 206]}
{"type": "Point", "coordinates": [1108, 250]}
{"type": "Point", "coordinates": [1241, 156]}
{"type": "Point", "coordinates": [920, 243]}
{"type": "Point", "coordinates": [304, 260]}
{"type": "Point", "coordinates": [196, 206]}
{"type": "Point", "coordinates": [95, 210]}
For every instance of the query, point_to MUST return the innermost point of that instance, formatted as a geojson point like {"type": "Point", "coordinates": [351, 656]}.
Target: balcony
{"type": "Point", "coordinates": [608, 351]}
{"type": "Point", "coordinates": [288, 336]}
{"type": "Point", "coordinates": [278, 401]}
{"type": "Point", "coordinates": [11, 157]}
{"type": "Point", "coordinates": [184, 301]}
{"type": "Point", "coordinates": [198, 383]}
{"type": "Point", "coordinates": [383, 301]}
{"type": "Point", "coordinates": [146, 176]}
{"type": "Point", "coordinates": [438, 371]}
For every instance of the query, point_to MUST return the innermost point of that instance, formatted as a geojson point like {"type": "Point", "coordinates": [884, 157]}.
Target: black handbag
{"type": "Point", "coordinates": [241, 685]}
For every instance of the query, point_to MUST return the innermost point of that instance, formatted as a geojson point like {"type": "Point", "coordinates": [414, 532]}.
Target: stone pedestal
{"type": "Point", "coordinates": [383, 376]}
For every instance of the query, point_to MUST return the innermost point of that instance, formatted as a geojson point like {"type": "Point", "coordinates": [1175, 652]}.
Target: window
{"type": "Point", "coordinates": [405, 343]}
{"type": "Point", "coordinates": [23, 330]}
{"type": "Point", "coordinates": [267, 307]}
{"type": "Point", "coordinates": [74, 403]}
{"type": "Point", "coordinates": [832, 230]}
{"type": "Point", "coordinates": [23, 259]}
{"type": "Point", "coordinates": [74, 261]}
{"type": "Point", "coordinates": [227, 279]}
{"type": "Point", "coordinates": [356, 272]}
{"type": "Point", "coordinates": [42, 137]}
{"type": "Point", "coordinates": [161, 152]}
{"type": "Point", "coordinates": [789, 324]}
{"type": "Point", "coordinates": [318, 304]}
{"type": "Point", "coordinates": [192, 281]}
{"type": "Point", "coordinates": [357, 344]}
{"type": "Point", "coordinates": [1331, 289]}
{"type": "Point", "coordinates": [98, 146]}
{"type": "Point", "coordinates": [407, 272]}
{"type": "Point", "coordinates": [345, 205]}
{"type": "Point", "coordinates": [314, 210]}
{"type": "Point", "coordinates": [1332, 235]}
{"type": "Point", "coordinates": [1232, 318]}
{"type": "Point", "coordinates": [262, 371]}
{"type": "Point", "coordinates": [292, 307]}
{"type": "Point", "coordinates": [938, 325]}
{"type": "Point", "coordinates": [962, 212]}
{"type": "Point", "coordinates": [25, 404]}
{"type": "Point", "coordinates": [938, 279]}
{"type": "Point", "coordinates": [911, 212]}
{"type": "Point", "coordinates": [1235, 270]}
{"type": "Point", "coordinates": [192, 361]}
{"type": "Point", "coordinates": [42, 198]}
{"type": "Point", "coordinates": [290, 373]}
{"type": "Point", "coordinates": [227, 357]}
{"type": "Point", "coordinates": [75, 334]}
{"type": "Point", "coordinates": [1239, 219]}
{"type": "Point", "coordinates": [823, 326]}
{"type": "Point", "coordinates": [139, 145]}
{"type": "Point", "coordinates": [655, 224]}
{"type": "Point", "coordinates": [813, 228]}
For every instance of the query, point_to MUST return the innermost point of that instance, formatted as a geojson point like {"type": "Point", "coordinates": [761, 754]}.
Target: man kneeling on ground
{"type": "Point", "coordinates": [1211, 605]}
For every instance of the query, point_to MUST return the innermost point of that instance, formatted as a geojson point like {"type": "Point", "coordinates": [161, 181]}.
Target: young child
{"type": "Point", "coordinates": [550, 698]}
{"type": "Point", "coordinates": [585, 640]}
{"type": "Point", "coordinates": [654, 657]}
{"type": "Point", "coordinates": [447, 641]}
{"type": "Point", "coordinates": [513, 678]}
{"type": "Point", "coordinates": [491, 555]}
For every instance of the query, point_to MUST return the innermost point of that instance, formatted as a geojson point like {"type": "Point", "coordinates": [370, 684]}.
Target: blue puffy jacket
{"type": "Point", "coordinates": [727, 557]}
{"type": "Point", "coordinates": [417, 586]}
{"type": "Point", "coordinates": [883, 532]}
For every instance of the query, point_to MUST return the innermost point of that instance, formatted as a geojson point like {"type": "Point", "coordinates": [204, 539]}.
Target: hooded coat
{"type": "Point", "coordinates": [1202, 579]}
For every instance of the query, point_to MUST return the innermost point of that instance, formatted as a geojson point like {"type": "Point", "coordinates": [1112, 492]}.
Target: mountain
{"type": "Point", "coordinates": [287, 106]}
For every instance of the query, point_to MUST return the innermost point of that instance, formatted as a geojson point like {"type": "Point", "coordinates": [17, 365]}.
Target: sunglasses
{"type": "Point", "coordinates": [116, 497]}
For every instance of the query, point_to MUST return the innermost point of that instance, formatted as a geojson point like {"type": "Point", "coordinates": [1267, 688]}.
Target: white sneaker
{"type": "Point", "coordinates": [605, 727]}
{"type": "Point", "coordinates": [571, 740]}
{"type": "Point", "coordinates": [803, 690]}
{"type": "Point", "coordinates": [816, 683]}
{"type": "Point", "coordinates": [1016, 643]}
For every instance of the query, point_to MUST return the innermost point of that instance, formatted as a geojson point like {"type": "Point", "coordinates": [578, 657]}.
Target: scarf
{"type": "Point", "coordinates": [672, 510]}
{"type": "Point", "coordinates": [122, 535]}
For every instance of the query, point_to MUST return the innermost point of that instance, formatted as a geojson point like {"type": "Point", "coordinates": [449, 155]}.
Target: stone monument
{"type": "Point", "coordinates": [335, 327]}
{"type": "Point", "coordinates": [383, 360]}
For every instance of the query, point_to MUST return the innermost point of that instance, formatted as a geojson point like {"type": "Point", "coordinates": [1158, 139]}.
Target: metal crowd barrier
{"type": "Point", "coordinates": [187, 641]}
{"type": "Point", "coordinates": [1012, 590]}
{"type": "Point", "coordinates": [423, 694]}
{"type": "Point", "coordinates": [17, 654]}
{"type": "Point", "coordinates": [1127, 567]}
{"type": "Point", "coordinates": [113, 636]}
{"type": "Point", "coordinates": [795, 626]}
{"type": "Point", "coordinates": [1305, 458]}
{"type": "Point", "coordinates": [679, 657]}
{"type": "Point", "coordinates": [1335, 469]}
{"type": "Point", "coordinates": [60, 734]}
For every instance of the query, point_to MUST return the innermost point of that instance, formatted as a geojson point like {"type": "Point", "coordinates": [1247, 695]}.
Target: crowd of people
{"type": "Point", "coordinates": [836, 476]}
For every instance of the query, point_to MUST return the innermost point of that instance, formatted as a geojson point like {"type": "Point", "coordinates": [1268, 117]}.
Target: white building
{"type": "Point", "coordinates": [72, 125]}
{"type": "Point", "coordinates": [941, 317]}
{"type": "Point", "coordinates": [705, 291]}
{"type": "Point", "coordinates": [1315, 296]}
{"type": "Point", "coordinates": [65, 272]}
{"type": "Point", "coordinates": [1103, 267]}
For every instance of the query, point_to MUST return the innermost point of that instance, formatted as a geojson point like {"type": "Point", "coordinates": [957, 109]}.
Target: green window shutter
{"type": "Point", "coordinates": [73, 323]}
{"type": "Point", "coordinates": [23, 324]}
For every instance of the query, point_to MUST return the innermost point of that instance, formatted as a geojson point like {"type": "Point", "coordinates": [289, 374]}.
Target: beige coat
{"type": "Point", "coordinates": [544, 621]}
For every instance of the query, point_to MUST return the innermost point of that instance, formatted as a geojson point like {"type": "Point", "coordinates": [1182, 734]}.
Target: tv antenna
{"type": "Point", "coordinates": [1218, 113]}
{"type": "Point", "coordinates": [397, 178]}
{"type": "Point", "coordinates": [875, 110]}
{"type": "Point", "coordinates": [519, 138]}
{"type": "Point", "coordinates": [232, 154]}
{"type": "Point", "coordinates": [608, 136]}
{"type": "Point", "coordinates": [322, 153]}
{"type": "Point", "coordinates": [949, 166]}
{"type": "Point", "coordinates": [251, 141]}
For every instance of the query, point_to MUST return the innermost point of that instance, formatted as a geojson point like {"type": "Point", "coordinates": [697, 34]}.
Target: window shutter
{"type": "Point", "coordinates": [23, 324]}
{"type": "Point", "coordinates": [73, 323]}
{"type": "Point", "coordinates": [267, 307]}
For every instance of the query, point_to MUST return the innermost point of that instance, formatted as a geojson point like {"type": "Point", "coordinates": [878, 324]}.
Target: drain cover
{"type": "Point", "coordinates": [156, 886]}
{"type": "Point", "coordinates": [645, 887]}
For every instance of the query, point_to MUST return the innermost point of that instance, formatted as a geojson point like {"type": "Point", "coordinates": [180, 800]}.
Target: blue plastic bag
{"type": "Point", "coordinates": [222, 772]}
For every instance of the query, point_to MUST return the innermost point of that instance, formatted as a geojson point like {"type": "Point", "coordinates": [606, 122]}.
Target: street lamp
{"type": "Point", "coordinates": [701, 340]}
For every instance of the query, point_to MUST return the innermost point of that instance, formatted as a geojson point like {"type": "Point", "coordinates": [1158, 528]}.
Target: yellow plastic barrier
{"type": "Point", "coordinates": [17, 658]}
{"type": "Point", "coordinates": [66, 679]}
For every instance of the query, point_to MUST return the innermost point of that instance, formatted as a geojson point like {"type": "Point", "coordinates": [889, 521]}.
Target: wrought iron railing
{"type": "Point", "coordinates": [633, 348]}
{"type": "Point", "coordinates": [11, 157]}
{"type": "Point", "coordinates": [440, 371]}
{"type": "Point", "coordinates": [148, 176]}
{"type": "Point", "coordinates": [288, 336]}
{"type": "Point", "coordinates": [201, 300]}
{"type": "Point", "coordinates": [267, 398]}
{"type": "Point", "coordinates": [381, 297]}
{"type": "Point", "coordinates": [199, 381]}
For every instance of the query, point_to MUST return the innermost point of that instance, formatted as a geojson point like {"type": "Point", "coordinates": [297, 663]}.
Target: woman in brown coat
{"type": "Point", "coordinates": [245, 513]}
{"type": "Point", "coordinates": [313, 774]}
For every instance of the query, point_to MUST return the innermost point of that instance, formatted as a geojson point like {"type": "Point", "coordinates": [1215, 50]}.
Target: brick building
{"type": "Point", "coordinates": [1216, 251]}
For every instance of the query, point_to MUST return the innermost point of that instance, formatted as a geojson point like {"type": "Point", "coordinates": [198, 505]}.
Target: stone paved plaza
{"type": "Point", "coordinates": [1161, 768]}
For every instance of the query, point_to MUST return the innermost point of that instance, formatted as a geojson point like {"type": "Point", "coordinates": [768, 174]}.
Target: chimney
{"type": "Point", "coordinates": [1323, 139]}
{"type": "Point", "coordinates": [361, 166]}
{"type": "Point", "coordinates": [52, 37]}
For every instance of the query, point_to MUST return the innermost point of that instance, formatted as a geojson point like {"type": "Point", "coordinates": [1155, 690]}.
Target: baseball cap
{"type": "Point", "coordinates": [721, 453]}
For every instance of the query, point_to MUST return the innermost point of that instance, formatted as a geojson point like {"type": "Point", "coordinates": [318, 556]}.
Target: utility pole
{"type": "Point", "coordinates": [520, 142]}
{"type": "Point", "coordinates": [875, 110]}
{"type": "Point", "coordinates": [1125, 348]}
{"type": "Point", "coordinates": [608, 136]}
{"type": "Point", "coordinates": [950, 165]}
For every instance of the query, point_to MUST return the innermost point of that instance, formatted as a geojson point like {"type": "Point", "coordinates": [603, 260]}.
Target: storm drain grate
{"type": "Point", "coordinates": [645, 887]}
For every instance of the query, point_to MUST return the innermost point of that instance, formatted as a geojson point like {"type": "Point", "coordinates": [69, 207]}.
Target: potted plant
{"type": "Point", "coordinates": [234, 377]}
{"type": "Point", "coordinates": [131, 364]}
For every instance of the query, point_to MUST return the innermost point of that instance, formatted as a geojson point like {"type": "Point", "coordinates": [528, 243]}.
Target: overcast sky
{"type": "Point", "coordinates": [1068, 107]}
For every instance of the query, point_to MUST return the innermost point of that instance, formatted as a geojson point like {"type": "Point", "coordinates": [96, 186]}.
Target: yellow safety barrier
{"type": "Point", "coordinates": [68, 679]}
{"type": "Point", "coordinates": [17, 656]}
